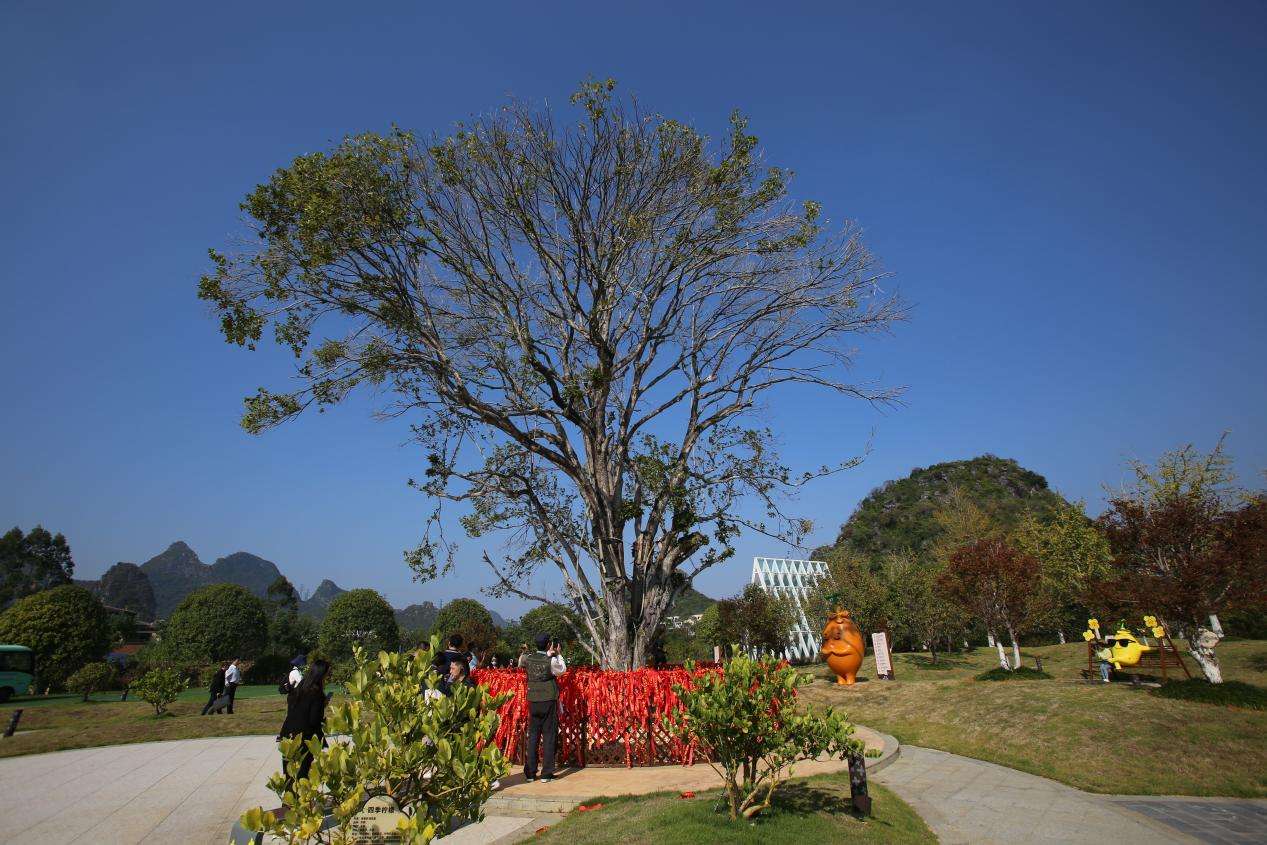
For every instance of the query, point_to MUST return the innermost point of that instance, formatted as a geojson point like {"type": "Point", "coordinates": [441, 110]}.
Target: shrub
{"type": "Point", "coordinates": [159, 687]}
{"type": "Point", "coordinates": [358, 617]}
{"type": "Point", "coordinates": [218, 622]}
{"type": "Point", "coordinates": [1021, 673]}
{"type": "Point", "coordinates": [66, 627]}
{"type": "Point", "coordinates": [1226, 694]}
{"type": "Point", "coordinates": [746, 716]}
{"type": "Point", "coordinates": [385, 737]}
{"type": "Point", "coordinates": [90, 678]}
{"type": "Point", "coordinates": [269, 669]}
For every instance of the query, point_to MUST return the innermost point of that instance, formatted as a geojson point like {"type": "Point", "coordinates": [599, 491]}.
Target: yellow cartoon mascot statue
{"type": "Point", "coordinates": [843, 646]}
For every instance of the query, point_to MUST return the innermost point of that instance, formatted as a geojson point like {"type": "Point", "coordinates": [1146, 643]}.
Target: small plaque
{"type": "Point", "coordinates": [880, 648]}
{"type": "Point", "coordinates": [376, 822]}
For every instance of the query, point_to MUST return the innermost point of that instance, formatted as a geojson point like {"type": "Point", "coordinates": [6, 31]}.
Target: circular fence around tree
{"type": "Point", "coordinates": [606, 718]}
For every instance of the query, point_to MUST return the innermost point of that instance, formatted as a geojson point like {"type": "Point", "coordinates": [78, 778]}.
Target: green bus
{"type": "Point", "coordinates": [17, 671]}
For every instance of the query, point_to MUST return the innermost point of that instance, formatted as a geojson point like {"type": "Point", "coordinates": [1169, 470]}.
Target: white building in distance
{"type": "Point", "coordinates": [792, 579]}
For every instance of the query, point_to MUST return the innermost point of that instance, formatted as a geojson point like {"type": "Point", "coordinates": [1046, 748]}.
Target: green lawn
{"type": "Point", "coordinates": [57, 722]}
{"type": "Point", "coordinates": [806, 812]}
{"type": "Point", "coordinates": [1103, 738]}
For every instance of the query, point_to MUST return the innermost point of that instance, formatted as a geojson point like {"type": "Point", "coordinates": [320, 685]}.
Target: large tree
{"type": "Point", "coordinates": [65, 626]}
{"type": "Point", "coordinates": [217, 622]}
{"type": "Point", "coordinates": [358, 617]}
{"type": "Point", "coordinates": [581, 316]}
{"type": "Point", "coordinates": [1186, 545]}
{"type": "Point", "coordinates": [997, 584]}
{"type": "Point", "coordinates": [30, 562]}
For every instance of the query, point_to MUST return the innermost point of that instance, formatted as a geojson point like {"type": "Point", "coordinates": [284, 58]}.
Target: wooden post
{"type": "Point", "coordinates": [13, 723]}
{"type": "Point", "coordinates": [585, 737]}
{"type": "Point", "coordinates": [858, 783]}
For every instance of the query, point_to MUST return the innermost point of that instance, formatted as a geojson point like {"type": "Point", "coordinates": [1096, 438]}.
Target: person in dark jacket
{"type": "Point", "coordinates": [459, 674]}
{"type": "Point", "coordinates": [217, 688]}
{"type": "Point", "coordinates": [306, 710]}
{"type": "Point", "coordinates": [540, 671]}
{"type": "Point", "coordinates": [454, 652]}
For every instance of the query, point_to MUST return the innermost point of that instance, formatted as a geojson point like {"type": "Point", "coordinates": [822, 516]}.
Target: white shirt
{"type": "Point", "coordinates": [232, 675]}
{"type": "Point", "coordinates": [295, 676]}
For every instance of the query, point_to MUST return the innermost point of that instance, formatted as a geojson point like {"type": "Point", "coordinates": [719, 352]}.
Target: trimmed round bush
{"type": "Point", "coordinates": [218, 622]}
{"type": "Point", "coordinates": [66, 627]}
{"type": "Point", "coordinates": [358, 617]}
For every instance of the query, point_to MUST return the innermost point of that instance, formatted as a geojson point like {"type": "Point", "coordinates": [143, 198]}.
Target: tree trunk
{"type": "Point", "coordinates": [1016, 649]}
{"type": "Point", "coordinates": [1201, 647]}
{"type": "Point", "coordinates": [1060, 632]}
{"type": "Point", "coordinates": [989, 638]}
{"type": "Point", "coordinates": [999, 645]}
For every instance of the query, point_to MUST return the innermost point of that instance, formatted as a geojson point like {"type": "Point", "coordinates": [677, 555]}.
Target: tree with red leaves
{"type": "Point", "coordinates": [997, 583]}
{"type": "Point", "coordinates": [1186, 556]}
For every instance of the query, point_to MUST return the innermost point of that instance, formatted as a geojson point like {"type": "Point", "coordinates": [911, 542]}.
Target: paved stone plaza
{"type": "Point", "coordinates": [191, 791]}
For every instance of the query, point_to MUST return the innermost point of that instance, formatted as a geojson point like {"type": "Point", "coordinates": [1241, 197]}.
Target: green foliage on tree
{"type": "Point", "coordinates": [600, 273]}
{"type": "Point", "coordinates": [358, 618]}
{"type": "Point", "coordinates": [756, 620]}
{"type": "Point", "coordinates": [547, 619]}
{"type": "Point", "coordinates": [65, 626]}
{"type": "Point", "coordinates": [1073, 554]}
{"type": "Point", "coordinates": [433, 754]}
{"type": "Point", "coordinates": [748, 718]}
{"type": "Point", "coordinates": [471, 620]}
{"type": "Point", "coordinates": [281, 597]}
{"type": "Point", "coordinates": [160, 687]}
{"type": "Point", "coordinates": [291, 634]}
{"type": "Point", "coordinates": [90, 678]}
{"type": "Point", "coordinates": [217, 622]}
{"type": "Point", "coordinates": [901, 515]}
{"type": "Point", "coordinates": [32, 562]}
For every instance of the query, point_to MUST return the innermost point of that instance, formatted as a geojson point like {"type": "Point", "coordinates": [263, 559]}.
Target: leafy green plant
{"type": "Point", "coordinates": [747, 717]}
{"type": "Point", "coordinates": [90, 678]}
{"type": "Point", "coordinates": [159, 687]}
{"type": "Point", "coordinates": [432, 754]}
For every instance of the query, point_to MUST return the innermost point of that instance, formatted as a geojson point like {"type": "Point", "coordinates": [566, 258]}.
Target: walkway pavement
{"type": "Point", "coordinates": [971, 801]}
{"type": "Point", "coordinates": [191, 791]}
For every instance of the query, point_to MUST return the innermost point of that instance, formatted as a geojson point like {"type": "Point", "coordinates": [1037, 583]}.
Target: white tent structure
{"type": "Point", "coordinates": [792, 579]}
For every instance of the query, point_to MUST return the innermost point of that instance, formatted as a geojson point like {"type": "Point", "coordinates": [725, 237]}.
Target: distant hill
{"type": "Point", "coordinates": [690, 603]}
{"type": "Point", "coordinates": [318, 603]}
{"type": "Point", "coordinates": [417, 617]}
{"type": "Point", "coordinates": [900, 513]}
{"type": "Point", "coordinates": [177, 572]}
{"type": "Point", "coordinates": [155, 588]}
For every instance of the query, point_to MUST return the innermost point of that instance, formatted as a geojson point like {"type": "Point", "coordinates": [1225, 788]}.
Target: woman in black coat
{"type": "Point", "coordinates": [306, 709]}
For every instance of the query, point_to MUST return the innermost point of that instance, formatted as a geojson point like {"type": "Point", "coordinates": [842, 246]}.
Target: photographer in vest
{"type": "Point", "coordinates": [541, 668]}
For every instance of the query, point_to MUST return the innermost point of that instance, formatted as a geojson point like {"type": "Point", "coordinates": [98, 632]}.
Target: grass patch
{"type": "Point", "coordinates": [1226, 694]}
{"type": "Point", "coordinates": [1070, 730]}
{"type": "Point", "coordinates": [804, 811]}
{"type": "Point", "coordinates": [1020, 673]}
{"type": "Point", "coordinates": [58, 722]}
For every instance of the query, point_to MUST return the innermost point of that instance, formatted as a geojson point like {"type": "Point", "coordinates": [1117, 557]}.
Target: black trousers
{"type": "Point", "coordinates": [231, 690]}
{"type": "Point", "coordinates": [543, 720]}
{"type": "Point", "coordinates": [211, 700]}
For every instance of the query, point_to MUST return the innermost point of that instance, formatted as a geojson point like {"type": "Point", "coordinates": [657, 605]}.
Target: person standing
{"type": "Point", "coordinates": [232, 678]}
{"type": "Point", "coordinates": [217, 688]}
{"type": "Point", "coordinates": [542, 669]}
{"type": "Point", "coordinates": [306, 712]}
{"type": "Point", "coordinates": [524, 651]}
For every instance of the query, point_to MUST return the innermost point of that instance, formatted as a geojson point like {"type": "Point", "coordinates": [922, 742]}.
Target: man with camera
{"type": "Point", "coordinates": [542, 669]}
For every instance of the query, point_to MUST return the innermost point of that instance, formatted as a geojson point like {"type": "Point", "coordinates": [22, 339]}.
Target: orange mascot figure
{"type": "Point", "coordinates": [843, 646]}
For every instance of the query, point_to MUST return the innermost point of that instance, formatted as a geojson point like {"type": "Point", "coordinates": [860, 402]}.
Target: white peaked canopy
{"type": "Point", "coordinates": [792, 579]}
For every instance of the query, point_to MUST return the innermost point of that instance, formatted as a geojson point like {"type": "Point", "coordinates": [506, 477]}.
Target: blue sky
{"type": "Point", "coordinates": [1071, 197]}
